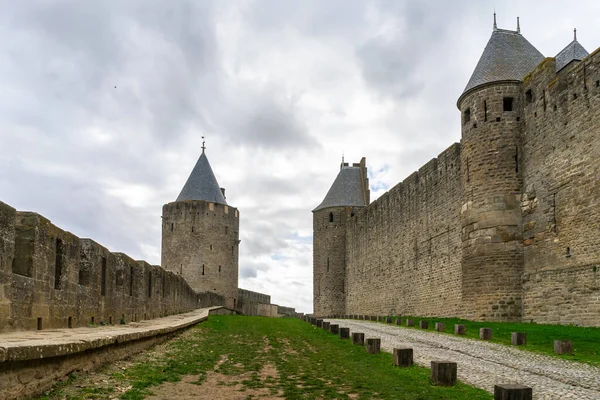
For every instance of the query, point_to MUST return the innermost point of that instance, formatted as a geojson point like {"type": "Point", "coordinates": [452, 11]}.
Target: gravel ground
{"type": "Point", "coordinates": [484, 364]}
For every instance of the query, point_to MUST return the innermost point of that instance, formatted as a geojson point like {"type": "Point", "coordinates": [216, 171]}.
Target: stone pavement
{"type": "Point", "coordinates": [484, 364]}
{"type": "Point", "coordinates": [28, 345]}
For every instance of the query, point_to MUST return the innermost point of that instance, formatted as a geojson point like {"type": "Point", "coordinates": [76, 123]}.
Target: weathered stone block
{"type": "Point", "coordinates": [344, 333]}
{"type": "Point", "coordinates": [358, 338]}
{"type": "Point", "coordinates": [563, 347]}
{"type": "Point", "coordinates": [334, 328]}
{"type": "Point", "coordinates": [512, 392]}
{"type": "Point", "coordinates": [403, 357]}
{"type": "Point", "coordinates": [518, 338]}
{"type": "Point", "coordinates": [459, 329]}
{"type": "Point", "coordinates": [443, 373]}
{"type": "Point", "coordinates": [485, 333]}
{"type": "Point", "coordinates": [373, 345]}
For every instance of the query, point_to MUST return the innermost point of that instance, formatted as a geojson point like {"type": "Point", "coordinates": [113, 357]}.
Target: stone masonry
{"type": "Point", "coordinates": [504, 225]}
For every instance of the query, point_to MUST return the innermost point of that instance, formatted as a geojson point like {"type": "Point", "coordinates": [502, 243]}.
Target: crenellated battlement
{"type": "Point", "coordinates": [50, 278]}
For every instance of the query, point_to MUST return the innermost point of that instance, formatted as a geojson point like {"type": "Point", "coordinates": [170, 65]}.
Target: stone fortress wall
{"type": "Point", "coordinates": [403, 251]}
{"type": "Point", "coordinates": [200, 242]}
{"type": "Point", "coordinates": [510, 234]}
{"type": "Point", "coordinates": [50, 278]}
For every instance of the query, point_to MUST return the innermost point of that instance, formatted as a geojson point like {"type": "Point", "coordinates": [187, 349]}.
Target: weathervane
{"type": "Point", "coordinates": [203, 144]}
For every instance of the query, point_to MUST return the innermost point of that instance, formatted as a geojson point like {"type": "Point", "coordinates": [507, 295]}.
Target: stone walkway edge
{"type": "Point", "coordinates": [30, 345]}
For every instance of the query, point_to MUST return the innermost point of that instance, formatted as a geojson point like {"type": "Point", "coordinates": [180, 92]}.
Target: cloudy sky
{"type": "Point", "coordinates": [103, 104]}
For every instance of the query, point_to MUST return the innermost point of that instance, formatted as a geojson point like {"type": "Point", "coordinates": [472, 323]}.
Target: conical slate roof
{"type": "Point", "coordinates": [573, 52]}
{"type": "Point", "coordinates": [508, 56]}
{"type": "Point", "coordinates": [345, 191]}
{"type": "Point", "coordinates": [202, 184]}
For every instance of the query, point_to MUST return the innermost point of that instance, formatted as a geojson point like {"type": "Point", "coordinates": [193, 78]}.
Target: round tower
{"type": "Point", "coordinates": [350, 190]}
{"type": "Point", "coordinates": [492, 245]}
{"type": "Point", "coordinates": [200, 236]}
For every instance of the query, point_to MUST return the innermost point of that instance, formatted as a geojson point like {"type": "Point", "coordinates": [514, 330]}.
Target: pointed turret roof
{"type": "Point", "coordinates": [346, 190]}
{"type": "Point", "coordinates": [573, 52]}
{"type": "Point", "coordinates": [508, 56]}
{"type": "Point", "coordinates": [202, 184]}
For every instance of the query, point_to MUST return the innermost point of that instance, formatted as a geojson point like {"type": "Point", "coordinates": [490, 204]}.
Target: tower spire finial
{"type": "Point", "coordinates": [342, 165]}
{"type": "Point", "coordinates": [575, 34]}
{"type": "Point", "coordinates": [495, 25]}
{"type": "Point", "coordinates": [518, 25]}
{"type": "Point", "coordinates": [203, 144]}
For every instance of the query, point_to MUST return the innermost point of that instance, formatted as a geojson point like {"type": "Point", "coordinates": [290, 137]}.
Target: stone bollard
{"type": "Point", "coordinates": [335, 329]}
{"type": "Point", "coordinates": [518, 338]}
{"type": "Point", "coordinates": [423, 324]}
{"type": "Point", "coordinates": [398, 321]}
{"type": "Point", "coordinates": [512, 392]}
{"type": "Point", "coordinates": [459, 329]}
{"type": "Point", "coordinates": [440, 327]}
{"type": "Point", "coordinates": [373, 346]}
{"type": "Point", "coordinates": [326, 325]}
{"type": "Point", "coordinates": [403, 357]}
{"type": "Point", "coordinates": [358, 338]}
{"type": "Point", "coordinates": [563, 347]}
{"type": "Point", "coordinates": [319, 323]}
{"type": "Point", "coordinates": [410, 322]}
{"type": "Point", "coordinates": [344, 333]}
{"type": "Point", "coordinates": [443, 373]}
{"type": "Point", "coordinates": [388, 320]}
{"type": "Point", "coordinates": [485, 333]}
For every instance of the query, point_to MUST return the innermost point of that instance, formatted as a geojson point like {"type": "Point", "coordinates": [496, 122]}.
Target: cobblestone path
{"type": "Point", "coordinates": [484, 364]}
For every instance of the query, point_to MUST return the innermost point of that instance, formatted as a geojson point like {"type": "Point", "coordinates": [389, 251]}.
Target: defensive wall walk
{"type": "Point", "coordinates": [484, 364]}
{"type": "Point", "coordinates": [32, 361]}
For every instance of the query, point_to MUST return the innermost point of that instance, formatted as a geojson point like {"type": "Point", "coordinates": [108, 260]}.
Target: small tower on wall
{"type": "Point", "coordinates": [491, 178]}
{"type": "Point", "coordinates": [349, 191]}
{"type": "Point", "coordinates": [200, 235]}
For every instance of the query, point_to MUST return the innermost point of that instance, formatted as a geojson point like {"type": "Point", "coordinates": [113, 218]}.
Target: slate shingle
{"type": "Point", "coordinates": [202, 184]}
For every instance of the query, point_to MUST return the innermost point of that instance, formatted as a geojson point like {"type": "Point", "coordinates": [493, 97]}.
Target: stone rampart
{"type": "Point", "coordinates": [561, 197]}
{"type": "Point", "coordinates": [50, 278]}
{"type": "Point", "coordinates": [404, 250]}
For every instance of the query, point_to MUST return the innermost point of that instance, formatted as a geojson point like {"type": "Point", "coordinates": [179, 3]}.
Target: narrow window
{"type": "Point", "coordinates": [544, 98]}
{"type": "Point", "coordinates": [171, 227]}
{"type": "Point", "coordinates": [597, 83]}
{"type": "Point", "coordinates": [568, 252]}
{"type": "Point", "coordinates": [327, 264]}
{"type": "Point", "coordinates": [202, 269]}
{"type": "Point", "coordinates": [92, 321]}
{"type": "Point", "coordinates": [110, 319]}
{"type": "Point", "coordinates": [516, 159]}
{"type": "Point", "coordinates": [529, 96]}
{"type": "Point", "coordinates": [192, 229]}
{"type": "Point", "coordinates": [163, 285]}
{"type": "Point", "coordinates": [330, 217]}
{"type": "Point", "coordinates": [58, 263]}
{"type": "Point", "coordinates": [131, 281]}
{"type": "Point", "coordinates": [39, 324]}
{"type": "Point", "coordinates": [232, 251]}
{"type": "Point", "coordinates": [467, 115]}
{"type": "Point", "coordinates": [211, 247]}
{"type": "Point", "coordinates": [70, 322]}
{"type": "Point", "coordinates": [508, 104]}
{"type": "Point", "coordinates": [103, 278]}
{"type": "Point", "coordinates": [485, 110]}
{"type": "Point", "coordinates": [219, 268]}
{"type": "Point", "coordinates": [226, 230]}
{"type": "Point", "coordinates": [149, 284]}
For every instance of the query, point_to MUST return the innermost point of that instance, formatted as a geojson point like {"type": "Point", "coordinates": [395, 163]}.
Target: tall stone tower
{"type": "Point", "coordinates": [200, 235]}
{"type": "Point", "coordinates": [349, 191]}
{"type": "Point", "coordinates": [491, 177]}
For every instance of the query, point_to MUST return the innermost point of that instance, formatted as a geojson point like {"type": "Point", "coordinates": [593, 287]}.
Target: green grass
{"type": "Point", "coordinates": [540, 337]}
{"type": "Point", "coordinates": [310, 364]}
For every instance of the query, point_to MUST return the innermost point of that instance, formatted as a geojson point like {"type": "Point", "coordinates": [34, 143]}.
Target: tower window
{"type": "Point", "coordinates": [150, 284]}
{"type": "Point", "coordinates": [485, 110]}
{"type": "Point", "coordinates": [226, 230]}
{"type": "Point", "coordinates": [219, 268]}
{"type": "Point", "coordinates": [529, 96]}
{"type": "Point", "coordinates": [171, 227]}
{"type": "Point", "coordinates": [508, 103]}
{"type": "Point", "coordinates": [467, 115]}
{"type": "Point", "coordinates": [330, 217]}
{"type": "Point", "coordinates": [327, 264]}
{"type": "Point", "coordinates": [202, 269]}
